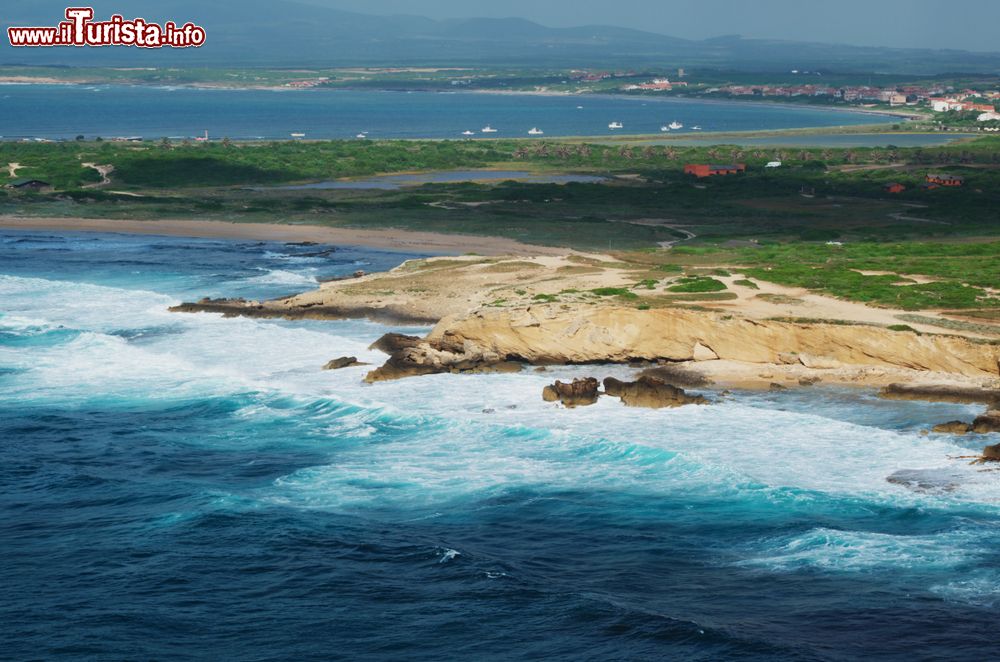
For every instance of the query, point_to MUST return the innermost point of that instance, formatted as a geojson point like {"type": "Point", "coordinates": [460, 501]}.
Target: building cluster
{"type": "Point", "coordinates": [939, 99]}
{"type": "Point", "coordinates": [656, 85]}
{"type": "Point", "coordinates": [585, 76]}
{"type": "Point", "coordinates": [306, 84]}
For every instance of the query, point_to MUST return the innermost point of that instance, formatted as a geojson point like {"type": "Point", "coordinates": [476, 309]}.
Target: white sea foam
{"type": "Point", "coordinates": [283, 277]}
{"type": "Point", "coordinates": [981, 588]}
{"type": "Point", "coordinates": [830, 549]}
{"type": "Point", "coordinates": [422, 444]}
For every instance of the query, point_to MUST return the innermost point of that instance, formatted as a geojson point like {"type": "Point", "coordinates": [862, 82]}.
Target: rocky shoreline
{"type": "Point", "coordinates": [678, 347]}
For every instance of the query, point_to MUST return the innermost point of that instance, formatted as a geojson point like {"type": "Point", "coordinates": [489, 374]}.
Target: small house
{"type": "Point", "coordinates": [701, 170]}
{"type": "Point", "coordinates": [945, 180]}
{"type": "Point", "coordinates": [895, 187]}
{"type": "Point", "coordinates": [29, 185]}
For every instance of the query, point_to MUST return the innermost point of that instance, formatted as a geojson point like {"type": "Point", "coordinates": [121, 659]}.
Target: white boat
{"type": "Point", "coordinates": [488, 129]}
{"type": "Point", "coordinates": [298, 135]}
{"type": "Point", "coordinates": [579, 107]}
{"type": "Point", "coordinates": [665, 128]}
{"type": "Point", "coordinates": [361, 136]}
{"type": "Point", "coordinates": [676, 125]}
{"type": "Point", "coordinates": [696, 128]}
{"type": "Point", "coordinates": [468, 133]}
{"type": "Point", "coordinates": [616, 125]}
{"type": "Point", "coordinates": [536, 132]}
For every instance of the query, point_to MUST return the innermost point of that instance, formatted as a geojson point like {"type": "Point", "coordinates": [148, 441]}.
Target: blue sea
{"type": "Point", "coordinates": [65, 111]}
{"type": "Point", "coordinates": [188, 487]}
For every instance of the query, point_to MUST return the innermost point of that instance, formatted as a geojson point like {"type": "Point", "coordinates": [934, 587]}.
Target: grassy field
{"type": "Point", "coordinates": [819, 195]}
{"type": "Point", "coordinates": [916, 275]}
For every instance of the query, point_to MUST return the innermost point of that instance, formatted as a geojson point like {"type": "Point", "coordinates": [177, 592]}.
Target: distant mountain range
{"type": "Point", "coordinates": [282, 33]}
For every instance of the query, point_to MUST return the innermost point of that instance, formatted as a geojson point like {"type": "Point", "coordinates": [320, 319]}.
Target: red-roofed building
{"type": "Point", "coordinates": [945, 180]}
{"type": "Point", "coordinates": [701, 170]}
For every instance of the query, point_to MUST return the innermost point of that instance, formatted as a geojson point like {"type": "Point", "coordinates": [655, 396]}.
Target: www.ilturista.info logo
{"type": "Point", "coordinates": [79, 29]}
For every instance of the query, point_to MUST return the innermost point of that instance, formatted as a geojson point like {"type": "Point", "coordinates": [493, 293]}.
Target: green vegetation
{"type": "Point", "coordinates": [890, 290]}
{"type": "Point", "coordinates": [768, 214]}
{"type": "Point", "coordinates": [697, 284]}
{"type": "Point", "coordinates": [911, 275]}
{"type": "Point", "coordinates": [619, 292]}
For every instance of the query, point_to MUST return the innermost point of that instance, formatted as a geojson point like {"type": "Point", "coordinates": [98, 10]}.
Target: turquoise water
{"type": "Point", "coordinates": [191, 487]}
{"type": "Point", "coordinates": [53, 111]}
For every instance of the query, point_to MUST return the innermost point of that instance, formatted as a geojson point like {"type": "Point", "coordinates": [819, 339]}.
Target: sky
{"type": "Point", "coordinates": [960, 24]}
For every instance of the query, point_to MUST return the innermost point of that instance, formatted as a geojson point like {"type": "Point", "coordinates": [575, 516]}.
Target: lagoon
{"type": "Point", "coordinates": [67, 111]}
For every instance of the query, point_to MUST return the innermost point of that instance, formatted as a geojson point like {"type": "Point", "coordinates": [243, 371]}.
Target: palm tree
{"type": "Point", "coordinates": [226, 142]}
{"type": "Point", "coordinates": [165, 143]}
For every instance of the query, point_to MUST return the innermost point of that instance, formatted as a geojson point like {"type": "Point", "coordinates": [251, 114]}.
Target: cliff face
{"type": "Point", "coordinates": [548, 334]}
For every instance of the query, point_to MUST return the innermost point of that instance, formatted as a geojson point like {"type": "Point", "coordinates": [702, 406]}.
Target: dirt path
{"type": "Point", "coordinates": [103, 171]}
{"type": "Point", "coordinates": [12, 169]}
{"type": "Point", "coordinates": [662, 223]}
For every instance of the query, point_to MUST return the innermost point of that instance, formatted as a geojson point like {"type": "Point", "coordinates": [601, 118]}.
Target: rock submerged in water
{"type": "Point", "coordinates": [991, 454]}
{"type": "Point", "coordinates": [952, 427]}
{"type": "Point", "coordinates": [581, 393]}
{"type": "Point", "coordinates": [987, 423]}
{"type": "Point", "coordinates": [651, 393]}
{"type": "Point", "coordinates": [343, 362]}
{"type": "Point", "coordinates": [957, 394]}
{"type": "Point", "coordinates": [926, 480]}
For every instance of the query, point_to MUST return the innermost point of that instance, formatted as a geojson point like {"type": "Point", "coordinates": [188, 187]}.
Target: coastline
{"type": "Point", "coordinates": [27, 80]}
{"type": "Point", "coordinates": [403, 241]}
{"type": "Point", "coordinates": [505, 314]}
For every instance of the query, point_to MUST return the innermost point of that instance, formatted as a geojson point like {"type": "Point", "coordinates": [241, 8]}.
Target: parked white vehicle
{"type": "Point", "coordinates": [773, 164]}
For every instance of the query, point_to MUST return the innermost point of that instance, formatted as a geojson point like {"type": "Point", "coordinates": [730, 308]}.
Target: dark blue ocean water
{"type": "Point", "coordinates": [61, 111]}
{"type": "Point", "coordinates": [188, 487]}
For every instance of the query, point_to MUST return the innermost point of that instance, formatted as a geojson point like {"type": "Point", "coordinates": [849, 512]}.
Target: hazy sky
{"type": "Point", "coordinates": [963, 24]}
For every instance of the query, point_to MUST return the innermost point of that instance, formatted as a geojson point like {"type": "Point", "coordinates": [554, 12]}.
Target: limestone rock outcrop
{"type": "Point", "coordinates": [545, 334]}
{"type": "Point", "coordinates": [580, 393]}
{"type": "Point", "coordinates": [987, 423]}
{"type": "Point", "coordinates": [343, 362]}
{"type": "Point", "coordinates": [953, 427]}
{"type": "Point", "coordinates": [410, 356]}
{"type": "Point", "coordinates": [651, 393]}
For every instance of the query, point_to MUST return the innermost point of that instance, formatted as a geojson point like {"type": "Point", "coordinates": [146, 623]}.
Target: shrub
{"type": "Point", "coordinates": [698, 284]}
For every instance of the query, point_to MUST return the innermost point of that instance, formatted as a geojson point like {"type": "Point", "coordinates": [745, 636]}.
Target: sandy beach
{"type": "Point", "coordinates": [390, 240]}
